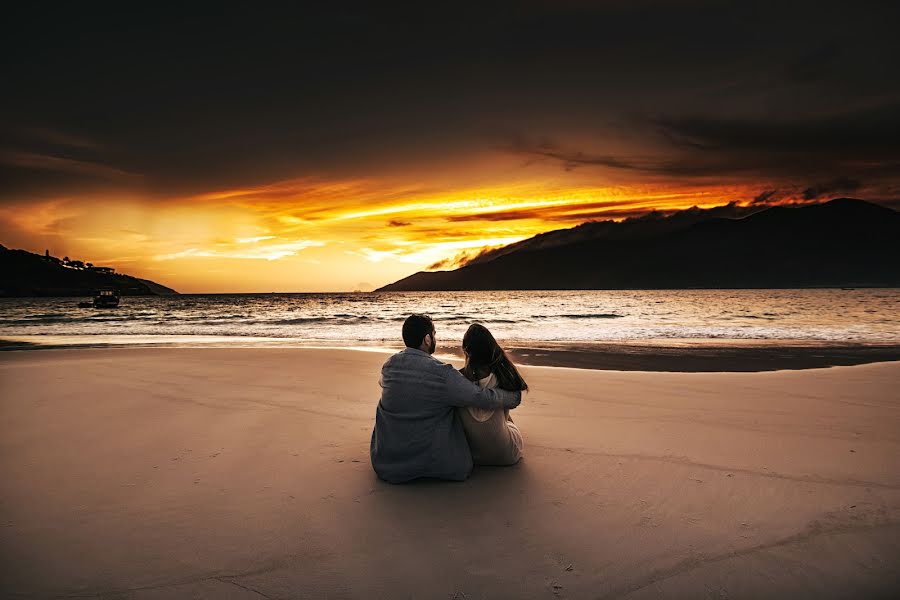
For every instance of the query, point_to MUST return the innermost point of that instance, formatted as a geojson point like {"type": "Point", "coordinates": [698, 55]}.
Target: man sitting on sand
{"type": "Point", "coordinates": [417, 433]}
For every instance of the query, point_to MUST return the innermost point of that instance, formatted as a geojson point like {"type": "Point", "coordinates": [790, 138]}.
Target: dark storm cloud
{"type": "Point", "coordinates": [764, 196]}
{"type": "Point", "coordinates": [868, 133]}
{"type": "Point", "coordinates": [36, 158]}
{"type": "Point", "coordinates": [817, 64]}
{"type": "Point", "coordinates": [840, 185]}
{"type": "Point", "coordinates": [865, 142]}
{"type": "Point", "coordinates": [398, 223]}
{"type": "Point", "coordinates": [189, 100]}
{"type": "Point", "coordinates": [518, 144]}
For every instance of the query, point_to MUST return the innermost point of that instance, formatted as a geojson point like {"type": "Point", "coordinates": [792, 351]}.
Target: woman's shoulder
{"type": "Point", "coordinates": [488, 382]}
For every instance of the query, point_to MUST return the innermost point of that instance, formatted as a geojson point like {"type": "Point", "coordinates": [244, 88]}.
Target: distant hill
{"type": "Point", "coordinates": [25, 274]}
{"type": "Point", "coordinates": [841, 243]}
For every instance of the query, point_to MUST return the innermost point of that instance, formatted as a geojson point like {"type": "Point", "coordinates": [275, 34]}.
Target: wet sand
{"type": "Point", "coordinates": [244, 473]}
{"type": "Point", "coordinates": [703, 358]}
{"type": "Point", "coordinates": [685, 356]}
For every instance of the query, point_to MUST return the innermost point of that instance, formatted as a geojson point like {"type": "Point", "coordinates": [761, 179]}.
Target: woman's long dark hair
{"type": "Point", "coordinates": [483, 351]}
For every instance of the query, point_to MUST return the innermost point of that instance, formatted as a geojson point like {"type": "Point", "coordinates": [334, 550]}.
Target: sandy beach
{"type": "Point", "coordinates": [244, 473]}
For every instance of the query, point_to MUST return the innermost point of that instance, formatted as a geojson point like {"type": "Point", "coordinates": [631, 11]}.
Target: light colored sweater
{"type": "Point", "coordinates": [493, 437]}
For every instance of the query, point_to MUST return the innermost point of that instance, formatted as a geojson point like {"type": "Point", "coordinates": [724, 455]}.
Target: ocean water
{"type": "Point", "coordinates": [819, 316]}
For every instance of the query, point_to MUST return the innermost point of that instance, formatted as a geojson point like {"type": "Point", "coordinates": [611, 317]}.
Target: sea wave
{"type": "Point", "coordinates": [337, 319]}
{"type": "Point", "coordinates": [580, 316]}
{"type": "Point", "coordinates": [298, 320]}
{"type": "Point", "coordinates": [36, 320]}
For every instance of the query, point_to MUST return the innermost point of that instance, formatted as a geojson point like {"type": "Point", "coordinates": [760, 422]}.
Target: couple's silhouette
{"type": "Point", "coordinates": [436, 421]}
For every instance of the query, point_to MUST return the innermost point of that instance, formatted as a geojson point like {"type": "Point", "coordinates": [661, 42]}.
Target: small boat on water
{"type": "Point", "coordinates": [106, 298]}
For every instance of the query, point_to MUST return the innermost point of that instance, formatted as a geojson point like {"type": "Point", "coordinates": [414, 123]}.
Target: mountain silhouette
{"type": "Point", "coordinates": [841, 243]}
{"type": "Point", "coordinates": [24, 274]}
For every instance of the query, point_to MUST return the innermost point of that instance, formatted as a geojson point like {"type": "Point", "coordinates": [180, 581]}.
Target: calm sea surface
{"type": "Point", "coordinates": [862, 316]}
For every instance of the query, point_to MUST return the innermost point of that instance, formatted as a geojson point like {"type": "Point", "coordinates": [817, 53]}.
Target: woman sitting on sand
{"type": "Point", "coordinates": [493, 437]}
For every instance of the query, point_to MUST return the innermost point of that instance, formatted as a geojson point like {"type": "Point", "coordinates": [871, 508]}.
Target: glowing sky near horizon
{"type": "Point", "coordinates": [309, 235]}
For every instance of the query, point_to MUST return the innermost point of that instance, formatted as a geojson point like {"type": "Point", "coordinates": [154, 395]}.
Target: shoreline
{"type": "Point", "coordinates": [679, 356]}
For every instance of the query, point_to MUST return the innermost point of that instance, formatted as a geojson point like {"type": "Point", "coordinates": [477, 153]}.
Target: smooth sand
{"type": "Point", "coordinates": [234, 473]}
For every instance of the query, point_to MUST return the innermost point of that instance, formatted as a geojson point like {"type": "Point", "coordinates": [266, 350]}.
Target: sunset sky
{"type": "Point", "coordinates": [340, 149]}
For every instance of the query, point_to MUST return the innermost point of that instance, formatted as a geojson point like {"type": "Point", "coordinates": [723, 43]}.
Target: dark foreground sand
{"type": "Point", "coordinates": [204, 473]}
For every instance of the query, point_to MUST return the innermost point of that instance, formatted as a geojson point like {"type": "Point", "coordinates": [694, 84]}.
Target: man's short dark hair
{"type": "Point", "coordinates": [415, 328]}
